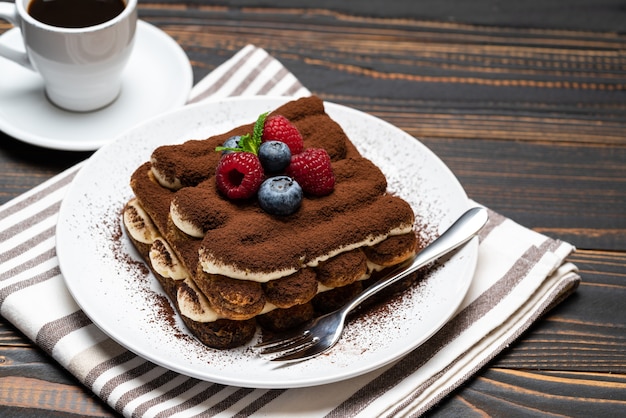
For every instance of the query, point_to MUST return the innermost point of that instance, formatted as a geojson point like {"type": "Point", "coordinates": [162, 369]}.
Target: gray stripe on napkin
{"type": "Point", "coordinates": [27, 245]}
{"type": "Point", "coordinates": [33, 262]}
{"type": "Point", "coordinates": [256, 71]}
{"type": "Point", "coordinates": [495, 220]}
{"type": "Point", "coordinates": [97, 371]}
{"type": "Point", "coordinates": [295, 87]}
{"type": "Point", "coordinates": [149, 386]}
{"type": "Point", "coordinates": [282, 73]}
{"type": "Point", "coordinates": [177, 390]}
{"type": "Point", "coordinates": [23, 284]}
{"type": "Point", "coordinates": [127, 376]}
{"type": "Point", "coordinates": [16, 228]}
{"type": "Point", "coordinates": [260, 402]}
{"type": "Point", "coordinates": [193, 401]}
{"type": "Point", "coordinates": [60, 181]}
{"type": "Point", "coordinates": [52, 332]}
{"type": "Point", "coordinates": [224, 78]}
{"type": "Point", "coordinates": [235, 397]}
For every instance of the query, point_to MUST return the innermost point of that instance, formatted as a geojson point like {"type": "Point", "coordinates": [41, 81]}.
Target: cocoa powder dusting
{"type": "Point", "coordinates": [241, 234]}
{"type": "Point", "coordinates": [138, 277]}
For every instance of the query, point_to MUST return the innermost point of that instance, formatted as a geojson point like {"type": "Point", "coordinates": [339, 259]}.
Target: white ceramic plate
{"type": "Point", "coordinates": [103, 274]}
{"type": "Point", "coordinates": [157, 79]}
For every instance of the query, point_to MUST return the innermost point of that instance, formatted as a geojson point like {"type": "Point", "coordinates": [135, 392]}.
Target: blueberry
{"type": "Point", "coordinates": [232, 142]}
{"type": "Point", "coordinates": [275, 156]}
{"type": "Point", "coordinates": [280, 195]}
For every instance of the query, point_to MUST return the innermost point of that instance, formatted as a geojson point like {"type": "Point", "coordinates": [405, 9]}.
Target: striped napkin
{"type": "Point", "coordinates": [520, 275]}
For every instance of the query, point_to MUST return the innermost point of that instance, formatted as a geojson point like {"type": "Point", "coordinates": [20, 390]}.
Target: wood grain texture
{"type": "Point", "coordinates": [524, 101]}
{"type": "Point", "coordinates": [536, 394]}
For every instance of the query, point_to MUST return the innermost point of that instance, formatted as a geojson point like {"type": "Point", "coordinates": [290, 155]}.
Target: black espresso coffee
{"type": "Point", "coordinates": [75, 13]}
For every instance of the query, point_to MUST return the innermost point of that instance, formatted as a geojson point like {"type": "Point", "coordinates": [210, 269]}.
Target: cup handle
{"type": "Point", "coordinates": [8, 11]}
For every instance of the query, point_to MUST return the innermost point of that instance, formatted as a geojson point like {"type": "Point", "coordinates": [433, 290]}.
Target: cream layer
{"type": "Point", "coordinates": [162, 178]}
{"type": "Point", "coordinates": [194, 306]}
{"type": "Point", "coordinates": [211, 265]}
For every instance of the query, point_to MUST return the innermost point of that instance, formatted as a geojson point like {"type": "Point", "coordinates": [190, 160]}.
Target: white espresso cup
{"type": "Point", "coordinates": [81, 67]}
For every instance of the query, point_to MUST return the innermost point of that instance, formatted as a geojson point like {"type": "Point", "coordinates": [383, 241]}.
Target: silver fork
{"type": "Point", "coordinates": [320, 334]}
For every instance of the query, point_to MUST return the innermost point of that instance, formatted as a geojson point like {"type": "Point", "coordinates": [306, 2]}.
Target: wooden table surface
{"type": "Point", "coordinates": [524, 101]}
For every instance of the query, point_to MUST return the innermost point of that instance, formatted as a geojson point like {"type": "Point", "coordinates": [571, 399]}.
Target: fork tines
{"type": "Point", "coordinates": [285, 345]}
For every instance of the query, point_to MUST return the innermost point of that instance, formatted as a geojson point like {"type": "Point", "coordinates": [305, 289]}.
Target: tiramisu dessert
{"type": "Point", "coordinates": [267, 225]}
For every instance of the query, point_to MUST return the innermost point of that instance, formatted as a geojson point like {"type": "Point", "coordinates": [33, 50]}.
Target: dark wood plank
{"type": "Point", "coordinates": [523, 393]}
{"type": "Point", "coordinates": [574, 193]}
{"type": "Point", "coordinates": [600, 15]}
{"type": "Point", "coordinates": [430, 60]}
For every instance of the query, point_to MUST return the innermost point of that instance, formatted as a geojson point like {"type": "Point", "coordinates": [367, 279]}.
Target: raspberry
{"type": "Point", "coordinates": [278, 128]}
{"type": "Point", "coordinates": [239, 175]}
{"type": "Point", "coordinates": [312, 170]}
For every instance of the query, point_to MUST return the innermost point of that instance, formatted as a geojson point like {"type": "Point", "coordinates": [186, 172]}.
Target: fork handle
{"type": "Point", "coordinates": [459, 233]}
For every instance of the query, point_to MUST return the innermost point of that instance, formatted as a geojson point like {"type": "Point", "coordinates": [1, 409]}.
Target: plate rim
{"type": "Point", "coordinates": [471, 247]}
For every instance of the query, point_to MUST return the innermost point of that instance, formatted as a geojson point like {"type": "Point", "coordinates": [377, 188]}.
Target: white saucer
{"type": "Point", "coordinates": [158, 78]}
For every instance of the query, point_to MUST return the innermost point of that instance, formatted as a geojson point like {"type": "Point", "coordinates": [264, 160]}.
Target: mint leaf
{"type": "Point", "coordinates": [247, 142]}
{"type": "Point", "coordinates": [257, 133]}
{"type": "Point", "coordinates": [220, 149]}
